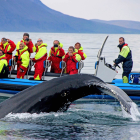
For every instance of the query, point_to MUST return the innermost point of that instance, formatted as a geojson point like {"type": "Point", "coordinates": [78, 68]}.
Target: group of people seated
{"type": "Point", "coordinates": [25, 47]}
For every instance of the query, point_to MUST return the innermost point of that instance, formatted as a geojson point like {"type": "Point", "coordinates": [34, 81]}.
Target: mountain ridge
{"type": "Point", "coordinates": [34, 16]}
{"type": "Point", "coordinates": [122, 23]}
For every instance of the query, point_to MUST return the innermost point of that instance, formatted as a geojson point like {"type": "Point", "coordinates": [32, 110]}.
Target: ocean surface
{"type": "Point", "coordinates": [84, 120]}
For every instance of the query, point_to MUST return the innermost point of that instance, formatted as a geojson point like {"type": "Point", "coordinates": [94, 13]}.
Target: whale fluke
{"type": "Point", "coordinates": [57, 94]}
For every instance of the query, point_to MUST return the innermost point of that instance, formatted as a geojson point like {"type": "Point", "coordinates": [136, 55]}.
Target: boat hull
{"type": "Point", "coordinates": [10, 87]}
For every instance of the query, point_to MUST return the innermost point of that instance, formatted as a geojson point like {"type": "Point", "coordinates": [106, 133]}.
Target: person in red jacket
{"type": "Point", "coordinates": [8, 46]}
{"type": "Point", "coordinates": [79, 50]}
{"type": "Point", "coordinates": [28, 42]}
{"type": "Point", "coordinates": [40, 57]}
{"type": "Point", "coordinates": [71, 58]}
{"type": "Point", "coordinates": [55, 56]}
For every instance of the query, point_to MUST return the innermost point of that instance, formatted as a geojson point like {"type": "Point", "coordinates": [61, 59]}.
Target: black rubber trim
{"type": "Point", "coordinates": [132, 92]}
{"type": "Point", "coordinates": [13, 87]}
{"type": "Point", "coordinates": [31, 73]}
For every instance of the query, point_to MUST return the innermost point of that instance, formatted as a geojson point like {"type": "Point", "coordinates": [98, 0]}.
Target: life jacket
{"type": "Point", "coordinates": [19, 56]}
{"type": "Point", "coordinates": [70, 63]}
{"type": "Point", "coordinates": [53, 53]}
{"type": "Point", "coordinates": [23, 41]}
{"type": "Point", "coordinates": [81, 53]}
{"type": "Point", "coordinates": [4, 67]}
{"type": "Point", "coordinates": [2, 58]}
{"type": "Point", "coordinates": [124, 46]}
{"type": "Point", "coordinates": [129, 56]}
{"type": "Point", "coordinates": [37, 49]}
{"type": "Point", "coordinates": [6, 49]}
{"type": "Point", "coordinates": [41, 53]}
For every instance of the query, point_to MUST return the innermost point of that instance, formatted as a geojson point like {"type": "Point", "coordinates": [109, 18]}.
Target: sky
{"type": "Point", "coordinates": [98, 9]}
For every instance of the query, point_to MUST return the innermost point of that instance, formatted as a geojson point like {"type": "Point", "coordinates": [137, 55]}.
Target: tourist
{"type": "Point", "coordinates": [71, 58]}
{"type": "Point", "coordinates": [79, 50]}
{"type": "Point", "coordinates": [8, 46]}
{"type": "Point", "coordinates": [55, 56]}
{"type": "Point", "coordinates": [28, 42]}
{"type": "Point", "coordinates": [22, 59]}
{"type": "Point", "coordinates": [3, 65]}
{"type": "Point", "coordinates": [40, 57]}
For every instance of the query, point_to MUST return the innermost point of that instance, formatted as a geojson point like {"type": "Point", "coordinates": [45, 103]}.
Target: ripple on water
{"type": "Point", "coordinates": [94, 120]}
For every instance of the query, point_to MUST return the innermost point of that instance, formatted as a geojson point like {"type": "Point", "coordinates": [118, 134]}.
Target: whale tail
{"type": "Point", "coordinates": [57, 94]}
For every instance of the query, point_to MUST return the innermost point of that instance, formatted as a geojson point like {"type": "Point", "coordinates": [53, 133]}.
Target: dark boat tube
{"type": "Point", "coordinates": [57, 94]}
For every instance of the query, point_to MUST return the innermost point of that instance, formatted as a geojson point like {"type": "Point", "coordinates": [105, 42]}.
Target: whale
{"type": "Point", "coordinates": [57, 94]}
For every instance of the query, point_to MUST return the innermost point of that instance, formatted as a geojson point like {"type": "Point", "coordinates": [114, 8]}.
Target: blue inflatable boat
{"type": "Point", "coordinates": [103, 70]}
{"type": "Point", "coordinates": [11, 86]}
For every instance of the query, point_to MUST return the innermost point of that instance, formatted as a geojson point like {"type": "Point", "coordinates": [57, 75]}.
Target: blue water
{"type": "Point", "coordinates": [85, 120]}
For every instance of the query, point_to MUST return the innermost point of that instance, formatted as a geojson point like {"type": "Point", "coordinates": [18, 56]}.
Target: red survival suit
{"type": "Point", "coordinates": [8, 48]}
{"type": "Point", "coordinates": [71, 63]}
{"type": "Point", "coordinates": [55, 56]}
{"type": "Point", "coordinates": [40, 57]}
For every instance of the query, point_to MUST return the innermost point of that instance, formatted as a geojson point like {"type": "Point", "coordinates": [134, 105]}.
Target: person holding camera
{"type": "Point", "coordinates": [7, 46]}
{"type": "Point", "coordinates": [40, 57]}
{"type": "Point", "coordinates": [28, 42]}
{"type": "Point", "coordinates": [55, 56]}
{"type": "Point", "coordinates": [22, 58]}
{"type": "Point", "coordinates": [71, 58]}
{"type": "Point", "coordinates": [3, 65]}
{"type": "Point", "coordinates": [79, 50]}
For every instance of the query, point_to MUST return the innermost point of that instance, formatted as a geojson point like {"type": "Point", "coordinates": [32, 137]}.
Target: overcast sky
{"type": "Point", "coordinates": [98, 9]}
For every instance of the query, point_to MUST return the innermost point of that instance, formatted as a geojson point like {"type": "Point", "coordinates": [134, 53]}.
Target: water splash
{"type": "Point", "coordinates": [29, 117]}
{"type": "Point", "coordinates": [135, 114]}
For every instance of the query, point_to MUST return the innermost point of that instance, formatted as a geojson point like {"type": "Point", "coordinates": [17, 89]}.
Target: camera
{"type": "Point", "coordinates": [27, 39]}
{"type": "Point", "coordinates": [55, 45]}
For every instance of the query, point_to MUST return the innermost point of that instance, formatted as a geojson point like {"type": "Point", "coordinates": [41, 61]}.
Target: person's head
{"type": "Point", "coordinates": [27, 40]}
{"type": "Point", "coordinates": [39, 41]}
{"type": "Point", "coordinates": [1, 53]}
{"type": "Point", "coordinates": [3, 40]}
{"type": "Point", "coordinates": [121, 40]}
{"type": "Point", "coordinates": [71, 49]}
{"type": "Point", "coordinates": [77, 46]}
{"type": "Point", "coordinates": [25, 35]}
{"type": "Point", "coordinates": [56, 42]}
{"type": "Point", "coordinates": [35, 44]}
{"type": "Point", "coordinates": [21, 46]}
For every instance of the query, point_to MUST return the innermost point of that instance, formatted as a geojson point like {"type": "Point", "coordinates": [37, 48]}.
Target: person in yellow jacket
{"type": "Point", "coordinates": [71, 58]}
{"type": "Point", "coordinates": [22, 58]}
{"type": "Point", "coordinates": [55, 56]}
{"type": "Point", "coordinates": [79, 50]}
{"type": "Point", "coordinates": [40, 57]}
{"type": "Point", "coordinates": [3, 65]}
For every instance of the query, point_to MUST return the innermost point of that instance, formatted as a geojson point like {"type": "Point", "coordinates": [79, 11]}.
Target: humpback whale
{"type": "Point", "coordinates": [57, 94]}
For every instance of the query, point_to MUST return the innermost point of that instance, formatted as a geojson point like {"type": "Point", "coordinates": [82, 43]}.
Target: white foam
{"type": "Point", "coordinates": [26, 116]}
{"type": "Point", "coordinates": [135, 114]}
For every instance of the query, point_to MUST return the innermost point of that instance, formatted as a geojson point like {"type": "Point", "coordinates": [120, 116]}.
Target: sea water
{"type": "Point", "coordinates": [84, 120]}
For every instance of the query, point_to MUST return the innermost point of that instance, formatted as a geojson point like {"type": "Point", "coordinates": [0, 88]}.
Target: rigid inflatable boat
{"type": "Point", "coordinates": [11, 86]}
{"type": "Point", "coordinates": [107, 73]}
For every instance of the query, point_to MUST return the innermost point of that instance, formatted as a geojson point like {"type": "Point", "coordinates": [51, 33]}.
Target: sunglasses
{"type": "Point", "coordinates": [39, 40]}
